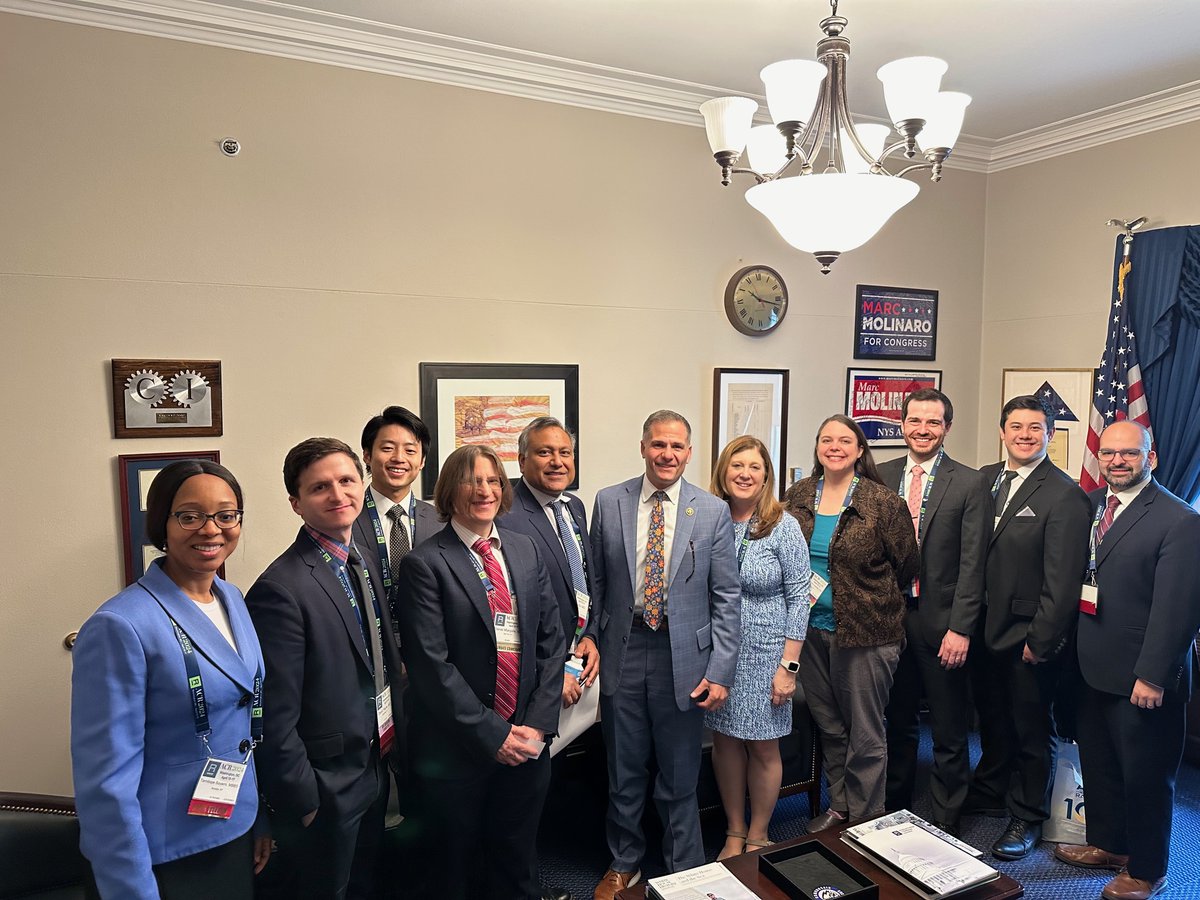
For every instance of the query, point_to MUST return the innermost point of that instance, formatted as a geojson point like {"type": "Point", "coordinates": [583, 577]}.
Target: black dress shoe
{"type": "Point", "coordinates": [1018, 839]}
{"type": "Point", "coordinates": [555, 893]}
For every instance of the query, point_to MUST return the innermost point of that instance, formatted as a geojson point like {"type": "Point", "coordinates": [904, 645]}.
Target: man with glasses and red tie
{"type": "Point", "coordinates": [1138, 616]}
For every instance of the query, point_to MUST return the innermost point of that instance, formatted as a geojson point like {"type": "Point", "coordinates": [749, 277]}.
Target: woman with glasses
{"type": "Point", "coordinates": [166, 709]}
{"type": "Point", "coordinates": [484, 646]}
{"type": "Point", "coordinates": [773, 565]}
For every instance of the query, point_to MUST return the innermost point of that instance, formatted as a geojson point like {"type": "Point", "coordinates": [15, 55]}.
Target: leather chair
{"type": "Point", "coordinates": [39, 848]}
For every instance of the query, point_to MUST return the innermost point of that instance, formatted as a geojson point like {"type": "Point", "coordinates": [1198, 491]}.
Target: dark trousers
{"type": "Point", "coordinates": [1130, 758]}
{"type": "Point", "coordinates": [920, 671]}
{"type": "Point", "coordinates": [482, 830]}
{"type": "Point", "coordinates": [641, 721]}
{"type": "Point", "coordinates": [1015, 701]}
{"type": "Point", "coordinates": [226, 871]}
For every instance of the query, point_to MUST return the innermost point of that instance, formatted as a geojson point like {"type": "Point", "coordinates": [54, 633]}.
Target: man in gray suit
{"type": "Point", "coordinates": [949, 508]}
{"type": "Point", "coordinates": [667, 613]}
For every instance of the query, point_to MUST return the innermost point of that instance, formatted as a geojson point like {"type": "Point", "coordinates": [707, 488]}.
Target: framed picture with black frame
{"type": "Point", "coordinates": [875, 398]}
{"type": "Point", "coordinates": [895, 323]}
{"type": "Point", "coordinates": [754, 402]}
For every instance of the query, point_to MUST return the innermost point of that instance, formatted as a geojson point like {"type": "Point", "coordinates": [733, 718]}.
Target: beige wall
{"type": "Point", "coordinates": [369, 224]}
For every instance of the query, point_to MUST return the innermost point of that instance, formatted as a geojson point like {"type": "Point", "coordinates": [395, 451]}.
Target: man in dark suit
{"type": "Point", "coordinates": [668, 615]}
{"type": "Point", "coordinates": [1138, 618]}
{"type": "Point", "coordinates": [557, 523]}
{"type": "Point", "coordinates": [1035, 564]}
{"type": "Point", "coordinates": [324, 626]}
{"type": "Point", "coordinates": [485, 689]}
{"type": "Point", "coordinates": [950, 515]}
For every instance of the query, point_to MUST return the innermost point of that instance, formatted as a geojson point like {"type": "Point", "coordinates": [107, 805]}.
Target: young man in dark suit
{"type": "Point", "coordinates": [951, 516]}
{"type": "Point", "coordinates": [1138, 618]}
{"type": "Point", "coordinates": [1034, 571]}
{"type": "Point", "coordinates": [332, 673]}
{"type": "Point", "coordinates": [557, 522]}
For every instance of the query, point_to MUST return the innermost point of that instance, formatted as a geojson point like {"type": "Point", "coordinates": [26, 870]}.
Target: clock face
{"type": "Point", "coordinates": [756, 300]}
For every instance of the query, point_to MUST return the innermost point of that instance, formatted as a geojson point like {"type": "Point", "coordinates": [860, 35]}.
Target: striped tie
{"type": "Point", "coordinates": [508, 665]}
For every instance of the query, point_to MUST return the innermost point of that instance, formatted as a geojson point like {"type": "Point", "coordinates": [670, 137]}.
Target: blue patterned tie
{"type": "Point", "coordinates": [656, 597]}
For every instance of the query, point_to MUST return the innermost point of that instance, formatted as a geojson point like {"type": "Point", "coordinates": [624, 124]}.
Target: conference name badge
{"type": "Point", "coordinates": [383, 718]}
{"type": "Point", "coordinates": [216, 792]}
{"type": "Point", "coordinates": [1089, 598]}
{"type": "Point", "coordinates": [508, 634]}
{"type": "Point", "coordinates": [816, 588]}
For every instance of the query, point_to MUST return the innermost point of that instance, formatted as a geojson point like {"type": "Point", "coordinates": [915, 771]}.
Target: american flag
{"type": "Point", "coordinates": [1119, 392]}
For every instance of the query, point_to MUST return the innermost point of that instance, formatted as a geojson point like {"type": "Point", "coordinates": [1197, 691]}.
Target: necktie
{"type": "Point", "coordinates": [1106, 520]}
{"type": "Point", "coordinates": [571, 549]}
{"type": "Point", "coordinates": [915, 496]}
{"type": "Point", "coordinates": [508, 666]}
{"type": "Point", "coordinates": [374, 642]}
{"type": "Point", "coordinates": [656, 597]}
{"type": "Point", "coordinates": [398, 543]}
{"type": "Point", "coordinates": [1001, 498]}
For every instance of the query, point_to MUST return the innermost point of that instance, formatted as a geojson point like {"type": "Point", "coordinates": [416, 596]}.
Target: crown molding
{"type": "Point", "coordinates": [279, 29]}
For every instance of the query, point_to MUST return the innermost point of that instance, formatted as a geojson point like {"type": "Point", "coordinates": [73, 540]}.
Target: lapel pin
{"type": "Point", "coordinates": [689, 512]}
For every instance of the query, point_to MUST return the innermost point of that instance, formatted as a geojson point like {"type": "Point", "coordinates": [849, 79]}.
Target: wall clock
{"type": "Point", "coordinates": [756, 300]}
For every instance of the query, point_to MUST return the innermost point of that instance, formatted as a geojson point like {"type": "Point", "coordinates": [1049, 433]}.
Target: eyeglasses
{"type": "Point", "coordinates": [191, 520]}
{"type": "Point", "coordinates": [1127, 455]}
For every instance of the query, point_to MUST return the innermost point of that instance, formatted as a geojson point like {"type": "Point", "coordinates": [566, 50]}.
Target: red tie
{"type": "Point", "coordinates": [508, 665]}
{"type": "Point", "coordinates": [1110, 513]}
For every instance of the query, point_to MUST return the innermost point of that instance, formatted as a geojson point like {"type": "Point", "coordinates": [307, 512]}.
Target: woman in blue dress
{"type": "Point", "coordinates": [773, 563]}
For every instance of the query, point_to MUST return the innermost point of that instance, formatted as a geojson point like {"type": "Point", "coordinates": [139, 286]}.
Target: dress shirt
{"type": "Point", "coordinates": [1022, 473]}
{"type": "Point", "coordinates": [1126, 497]}
{"type": "Point", "coordinates": [469, 537]}
{"type": "Point", "coordinates": [544, 500]}
{"type": "Point", "coordinates": [382, 505]}
{"type": "Point", "coordinates": [670, 511]}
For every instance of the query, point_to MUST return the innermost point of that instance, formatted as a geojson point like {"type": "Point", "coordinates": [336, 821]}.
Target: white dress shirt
{"type": "Point", "coordinates": [670, 511]}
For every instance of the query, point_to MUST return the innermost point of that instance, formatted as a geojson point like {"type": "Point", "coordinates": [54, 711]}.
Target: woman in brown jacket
{"type": "Point", "coordinates": [864, 558]}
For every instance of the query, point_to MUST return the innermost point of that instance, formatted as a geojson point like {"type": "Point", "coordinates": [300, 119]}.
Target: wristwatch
{"type": "Point", "coordinates": [791, 665]}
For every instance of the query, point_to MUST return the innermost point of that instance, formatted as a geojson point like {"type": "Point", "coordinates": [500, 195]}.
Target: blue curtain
{"type": "Point", "coordinates": [1163, 291]}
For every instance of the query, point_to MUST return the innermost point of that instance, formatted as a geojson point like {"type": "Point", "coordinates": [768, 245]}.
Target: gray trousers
{"type": "Point", "coordinates": [642, 721]}
{"type": "Point", "coordinates": [847, 689]}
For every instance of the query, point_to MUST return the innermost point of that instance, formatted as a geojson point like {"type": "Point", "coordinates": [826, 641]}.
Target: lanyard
{"type": "Point", "coordinates": [845, 500]}
{"type": "Point", "coordinates": [196, 687]}
{"type": "Point", "coordinates": [932, 474]}
{"type": "Point", "coordinates": [566, 511]}
{"type": "Point", "coordinates": [745, 544]}
{"type": "Point", "coordinates": [344, 580]}
{"type": "Point", "coordinates": [1000, 478]}
{"type": "Point", "coordinates": [1092, 544]}
{"type": "Point", "coordinates": [385, 562]}
{"type": "Point", "coordinates": [488, 585]}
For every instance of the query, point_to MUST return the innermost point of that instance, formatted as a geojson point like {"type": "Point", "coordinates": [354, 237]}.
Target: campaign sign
{"type": "Point", "coordinates": [875, 398]}
{"type": "Point", "coordinates": [895, 323]}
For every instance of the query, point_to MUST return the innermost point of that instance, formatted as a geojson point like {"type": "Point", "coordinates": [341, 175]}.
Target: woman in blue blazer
{"type": "Point", "coordinates": [139, 744]}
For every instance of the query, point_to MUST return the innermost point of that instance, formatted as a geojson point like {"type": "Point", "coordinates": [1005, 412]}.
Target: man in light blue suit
{"type": "Point", "coordinates": [666, 616]}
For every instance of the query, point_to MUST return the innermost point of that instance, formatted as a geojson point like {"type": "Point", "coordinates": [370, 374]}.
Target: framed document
{"type": "Point", "coordinates": [754, 402]}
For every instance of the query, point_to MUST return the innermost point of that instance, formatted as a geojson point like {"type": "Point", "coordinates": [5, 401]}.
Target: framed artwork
{"type": "Point", "coordinates": [895, 323]}
{"type": "Point", "coordinates": [874, 398]}
{"type": "Point", "coordinates": [754, 402]}
{"type": "Point", "coordinates": [1067, 394]}
{"type": "Point", "coordinates": [490, 403]}
{"type": "Point", "coordinates": [166, 398]}
{"type": "Point", "coordinates": [136, 471]}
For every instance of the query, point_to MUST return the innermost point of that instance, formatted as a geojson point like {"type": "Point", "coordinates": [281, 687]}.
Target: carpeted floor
{"type": "Point", "coordinates": [572, 848]}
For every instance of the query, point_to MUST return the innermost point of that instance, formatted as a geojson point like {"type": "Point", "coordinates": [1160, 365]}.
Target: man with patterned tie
{"type": "Point", "coordinates": [557, 522]}
{"type": "Point", "coordinates": [1138, 617]}
{"type": "Point", "coordinates": [331, 688]}
{"type": "Point", "coordinates": [484, 646]}
{"type": "Point", "coordinates": [1037, 554]}
{"type": "Point", "coordinates": [667, 613]}
{"type": "Point", "coordinates": [951, 514]}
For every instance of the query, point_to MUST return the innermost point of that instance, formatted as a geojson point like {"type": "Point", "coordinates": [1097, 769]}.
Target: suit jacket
{"type": "Point", "coordinates": [319, 702]}
{"type": "Point", "coordinates": [529, 517]}
{"type": "Point", "coordinates": [1148, 611]}
{"type": "Point", "coordinates": [704, 592]}
{"type": "Point", "coordinates": [134, 748]}
{"type": "Point", "coordinates": [447, 625]}
{"type": "Point", "coordinates": [954, 538]}
{"type": "Point", "coordinates": [1036, 563]}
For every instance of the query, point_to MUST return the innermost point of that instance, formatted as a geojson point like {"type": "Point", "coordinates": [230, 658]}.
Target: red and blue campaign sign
{"type": "Point", "coordinates": [895, 323]}
{"type": "Point", "coordinates": [875, 398]}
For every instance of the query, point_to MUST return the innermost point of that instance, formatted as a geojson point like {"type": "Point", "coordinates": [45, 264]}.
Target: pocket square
{"type": "Point", "coordinates": [1026, 512]}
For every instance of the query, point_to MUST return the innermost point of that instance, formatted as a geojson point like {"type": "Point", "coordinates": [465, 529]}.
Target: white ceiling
{"type": "Point", "coordinates": [1030, 66]}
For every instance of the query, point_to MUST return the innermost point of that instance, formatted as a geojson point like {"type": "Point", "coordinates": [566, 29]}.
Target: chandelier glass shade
{"type": "Point", "coordinates": [823, 181]}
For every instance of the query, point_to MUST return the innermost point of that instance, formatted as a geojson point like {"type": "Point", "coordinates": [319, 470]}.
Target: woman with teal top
{"type": "Point", "coordinates": [863, 551]}
{"type": "Point", "coordinates": [773, 564]}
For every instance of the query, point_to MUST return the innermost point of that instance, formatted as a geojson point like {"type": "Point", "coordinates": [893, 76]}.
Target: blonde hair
{"type": "Point", "coordinates": [768, 511]}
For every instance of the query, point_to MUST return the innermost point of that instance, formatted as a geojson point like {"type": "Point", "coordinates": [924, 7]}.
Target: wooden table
{"type": "Point", "coordinates": [745, 868]}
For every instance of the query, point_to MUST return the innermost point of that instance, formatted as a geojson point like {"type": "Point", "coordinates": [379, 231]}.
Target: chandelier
{"type": "Point", "coordinates": [841, 205]}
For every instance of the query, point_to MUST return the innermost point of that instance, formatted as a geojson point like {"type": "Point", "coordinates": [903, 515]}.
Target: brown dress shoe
{"type": "Point", "coordinates": [1088, 857]}
{"type": "Point", "coordinates": [1126, 887]}
{"type": "Point", "coordinates": [613, 883]}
